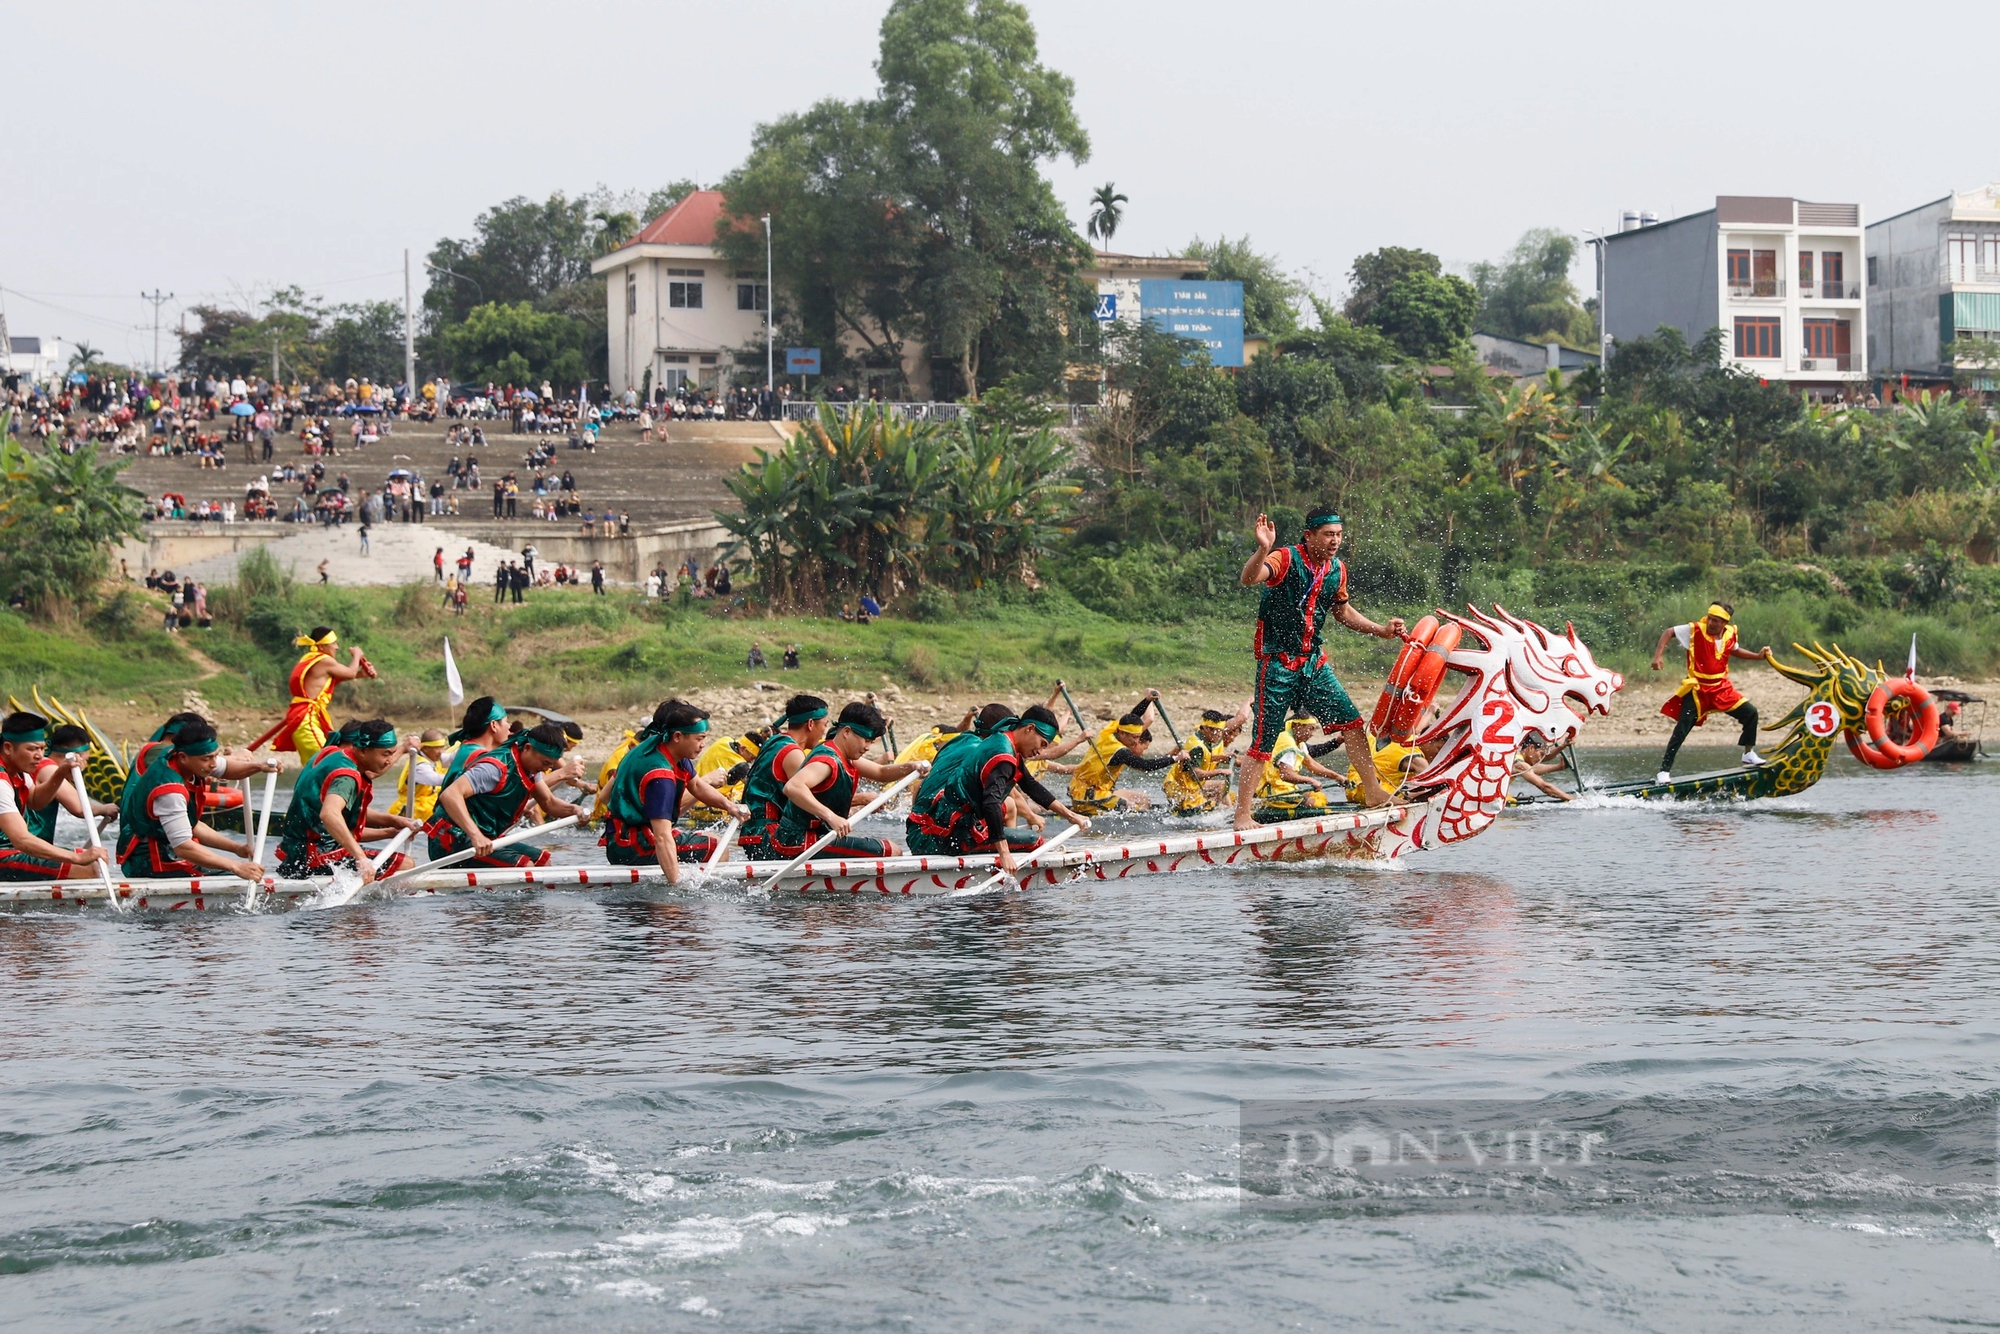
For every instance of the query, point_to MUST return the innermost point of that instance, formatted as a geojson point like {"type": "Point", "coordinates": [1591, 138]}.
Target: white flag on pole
{"type": "Point", "coordinates": [452, 682]}
{"type": "Point", "coordinates": [1912, 673]}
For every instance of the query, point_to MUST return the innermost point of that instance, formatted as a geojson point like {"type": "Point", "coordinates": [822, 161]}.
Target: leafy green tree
{"type": "Point", "coordinates": [1270, 295]}
{"type": "Point", "coordinates": [516, 344]}
{"type": "Point", "coordinates": [520, 251]}
{"type": "Point", "coordinates": [1529, 294]}
{"type": "Point", "coordinates": [1426, 315]}
{"type": "Point", "coordinates": [60, 515]}
{"type": "Point", "coordinates": [1375, 273]}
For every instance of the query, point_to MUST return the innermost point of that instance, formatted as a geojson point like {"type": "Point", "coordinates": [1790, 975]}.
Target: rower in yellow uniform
{"type": "Point", "coordinates": [1121, 745]}
{"type": "Point", "coordinates": [425, 770]}
{"type": "Point", "coordinates": [306, 722]}
{"type": "Point", "coordinates": [725, 764]}
{"type": "Point", "coordinates": [1288, 785]}
{"type": "Point", "coordinates": [925, 747]}
{"type": "Point", "coordinates": [1200, 781]}
{"type": "Point", "coordinates": [1394, 763]}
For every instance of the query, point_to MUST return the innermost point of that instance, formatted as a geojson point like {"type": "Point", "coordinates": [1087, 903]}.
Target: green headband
{"type": "Point", "coordinates": [73, 748]}
{"type": "Point", "coordinates": [495, 716]}
{"type": "Point", "coordinates": [167, 731]}
{"type": "Point", "coordinates": [1321, 519]}
{"type": "Point", "coordinates": [208, 747]}
{"type": "Point", "coordinates": [552, 749]}
{"type": "Point", "coordinates": [859, 729]}
{"type": "Point", "coordinates": [1047, 729]}
{"type": "Point", "coordinates": [800, 719]}
{"type": "Point", "coordinates": [362, 739]}
{"type": "Point", "coordinates": [25, 738]}
{"type": "Point", "coordinates": [695, 728]}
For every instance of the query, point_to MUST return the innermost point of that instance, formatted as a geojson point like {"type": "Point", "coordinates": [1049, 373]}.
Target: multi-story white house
{"type": "Point", "coordinates": [1934, 287]}
{"type": "Point", "coordinates": [675, 308]}
{"type": "Point", "coordinates": [1781, 277]}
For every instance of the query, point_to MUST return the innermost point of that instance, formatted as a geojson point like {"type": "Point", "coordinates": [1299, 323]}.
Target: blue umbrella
{"type": "Point", "coordinates": [242, 410]}
{"type": "Point", "coordinates": [78, 377]}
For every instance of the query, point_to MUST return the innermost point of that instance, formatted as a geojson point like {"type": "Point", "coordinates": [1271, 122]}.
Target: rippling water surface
{"type": "Point", "coordinates": [616, 1110]}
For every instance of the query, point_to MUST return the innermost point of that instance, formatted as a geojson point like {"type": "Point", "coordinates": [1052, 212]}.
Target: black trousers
{"type": "Point", "coordinates": [1745, 713]}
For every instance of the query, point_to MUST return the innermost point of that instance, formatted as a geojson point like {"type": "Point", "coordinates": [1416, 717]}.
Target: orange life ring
{"type": "Point", "coordinates": [1877, 750]}
{"type": "Point", "coordinates": [222, 799]}
{"type": "Point", "coordinates": [1414, 680]}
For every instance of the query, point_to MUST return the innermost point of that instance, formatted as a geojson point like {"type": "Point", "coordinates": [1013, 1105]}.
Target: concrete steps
{"type": "Point", "coordinates": [399, 553]}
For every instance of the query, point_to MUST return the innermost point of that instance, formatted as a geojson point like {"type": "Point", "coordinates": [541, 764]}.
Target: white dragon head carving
{"type": "Point", "coordinates": [1521, 678]}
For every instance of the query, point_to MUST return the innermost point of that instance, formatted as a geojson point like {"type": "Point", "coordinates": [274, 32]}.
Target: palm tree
{"type": "Point", "coordinates": [1106, 211]}
{"type": "Point", "coordinates": [84, 355]}
{"type": "Point", "coordinates": [615, 228]}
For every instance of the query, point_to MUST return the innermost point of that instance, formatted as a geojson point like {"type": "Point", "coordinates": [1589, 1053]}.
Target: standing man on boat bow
{"type": "Point", "coordinates": [1710, 643]}
{"type": "Point", "coordinates": [1304, 585]}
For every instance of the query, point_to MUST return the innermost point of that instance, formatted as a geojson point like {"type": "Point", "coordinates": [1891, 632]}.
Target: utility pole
{"type": "Point", "coordinates": [1603, 326]}
{"type": "Point", "coordinates": [409, 339]}
{"type": "Point", "coordinates": [158, 299]}
{"type": "Point", "coordinates": [770, 336]}
{"type": "Point", "coordinates": [274, 359]}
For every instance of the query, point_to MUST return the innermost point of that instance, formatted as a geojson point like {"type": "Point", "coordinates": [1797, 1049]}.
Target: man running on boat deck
{"type": "Point", "coordinates": [1710, 643]}
{"type": "Point", "coordinates": [1303, 585]}
{"type": "Point", "coordinates": [961, 806]}
{"type": "Point", "coordinates": [1121, 745]}
{"type": "Point", "coordinates": [160, 829]}
{"type": "Point", "coordinates": [26, 829]}
{"type": "Point", "coordinates": [653, 782]}
{"type": "Point", "coordinates": [306, 722]}
{"type": "Point", "coordinates": [489, 798]}
{"type": "Point", "coordinates": [800, 730]}
{"type": "Point", "coordinates": [1200, 781]}
{"type": "Point", "coordinates": [329, 818]}
{"type": "Point", "coordinates": [819, 796]}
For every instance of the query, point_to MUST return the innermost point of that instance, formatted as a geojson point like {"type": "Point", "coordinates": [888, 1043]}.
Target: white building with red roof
{"type": "Point", "coordinates": [675, 307]}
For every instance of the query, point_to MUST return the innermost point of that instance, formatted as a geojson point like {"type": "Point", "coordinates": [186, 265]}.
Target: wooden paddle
{"type": "Point", "coordinates": [90, 827]}
{"type": "Point", "coordinates": [1022, 865]}
{"type": "Point", "coordinates": [467, 854]}
{"type": "Point", "coordinates": [721, 847]}
{"type": "Point", "coordinates": [828, 837]}
{"type": "Point", "coordinates": [1077, 714]}
{"type": "Point", "coordinates": [263, 816]}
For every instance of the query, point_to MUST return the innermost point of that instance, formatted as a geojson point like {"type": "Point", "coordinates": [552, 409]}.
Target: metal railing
{"type": "Point", "coordinates": [1759, 288]}
{"type": "Point", "coordinates": [1836, 290]}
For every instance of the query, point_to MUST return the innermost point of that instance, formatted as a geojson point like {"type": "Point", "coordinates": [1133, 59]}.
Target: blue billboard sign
{"type": "Point", "coordinates": [1209, 313]}
{"type": "Point", "coordinates": [805, 360]}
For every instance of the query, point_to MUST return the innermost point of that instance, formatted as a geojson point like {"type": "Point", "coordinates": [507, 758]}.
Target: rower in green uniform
{"type": "Point", "coordinates": [160, 829]}
{"type": "Point", "coordinates": [961, 806]}
{"type": "Point", "coordinates": [819, 796]}
{"type": "Point", "coordinates": [653, 782]}
{"type": "Point", "coordinates": [331, 817]}
{"type": "Point", "coordinates": [489, 798]}
{"type": "Point", "coordinates": [1304, 585]}
{"type": "Point", "coordinates": [800, 731]}
{"type": "Point", "coordinates": [27, 851]}
{"type": "Point", "coordinates": [483, 727]}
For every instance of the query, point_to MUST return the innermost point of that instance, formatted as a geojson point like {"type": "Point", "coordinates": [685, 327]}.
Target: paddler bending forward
{"type": "Point", "coordinates": [329, 818]}
{"type": "Point", "coordinates": [489, 798]}
{"type": "Point", "coordinates": [1710, 643]}
{"type": "Point", "coordinates": [961, 805]}
{"type": "Point", "coordinates": [819, 796]}
{"type": "Point", "coordinates": [160, 829]}
{"type": "Point", "coordinates": [306, 722]}
{"type": "Point", "coordinates": [1303, 586]}
{"type": "Point", "coordinates": [28, 807]}
{"type": "Point", "coordinates": [654, 780]}
{"type": "Point", "coordinates": [799, 733]}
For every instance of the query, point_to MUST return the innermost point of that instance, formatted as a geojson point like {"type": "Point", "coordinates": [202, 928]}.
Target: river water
{"type": "Point", "coordinates": [616, 1110]}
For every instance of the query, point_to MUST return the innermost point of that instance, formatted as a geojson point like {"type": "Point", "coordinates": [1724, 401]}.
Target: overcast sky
{"type": "Point", "coordinates": [216, 150]}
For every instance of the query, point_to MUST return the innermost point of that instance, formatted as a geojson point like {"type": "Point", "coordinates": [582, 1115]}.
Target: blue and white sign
{"type": "Point", "coordinates": [802, 361]}
{"type": "Point", "coordinates": [1209, 313]}
{"type": "Point", "coordinates": [1107, 307]}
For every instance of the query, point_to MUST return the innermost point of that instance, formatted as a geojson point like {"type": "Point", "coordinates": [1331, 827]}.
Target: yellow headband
{"type": "Point", "coordinates": [1129, 729]}
{"type": "Point", "coordinates": [307, 641]}
{"type": "Point", "coordinates": [1717, 609]}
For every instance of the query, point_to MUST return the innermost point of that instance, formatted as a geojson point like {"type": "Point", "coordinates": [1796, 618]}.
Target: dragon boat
{"type": "Point", "coordinates": [1844, 697]}
{"type": "Point", "coordinates": [1517, 677]}
{"type": "Point", "coordinates": [105, 767]}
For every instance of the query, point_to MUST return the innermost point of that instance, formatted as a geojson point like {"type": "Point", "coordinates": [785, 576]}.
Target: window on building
{"type": "Point", "coordinates": [752, 296]}
{"type": "Point", "coordinates": [1828, 338]}
{"type": "Point", "coordinates": [1871, 271]}
{"type": "Point", "coordinates": [684, 296]}
{"type": "Point", "coordinates": [631, 295]}
{"type": "Point", "coordinates": [1833, 266]}
{"type": "Point", "coordinates": [1805, 270]}
{"type": "Point", "coordinates": [686, 273]}
{"type": "Point", "coordinates": [1758, 338]}
{"type": "Point", "coordinates": [1764, 273]}
{"type": "Point", "coordinates": [1739, 268]}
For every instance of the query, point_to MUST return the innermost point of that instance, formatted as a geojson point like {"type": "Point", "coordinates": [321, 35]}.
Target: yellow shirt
{"type": "Point", "coordinates": [1391, 767]}
{"type": "Point", "coordinates": [1274, 783]}
{"type": "Point", "coordinates": [926, 746]}
{"type": "Point", "coordinates": [1182, 787]}
{"type": "Point", "coordinates": [720, 756]}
